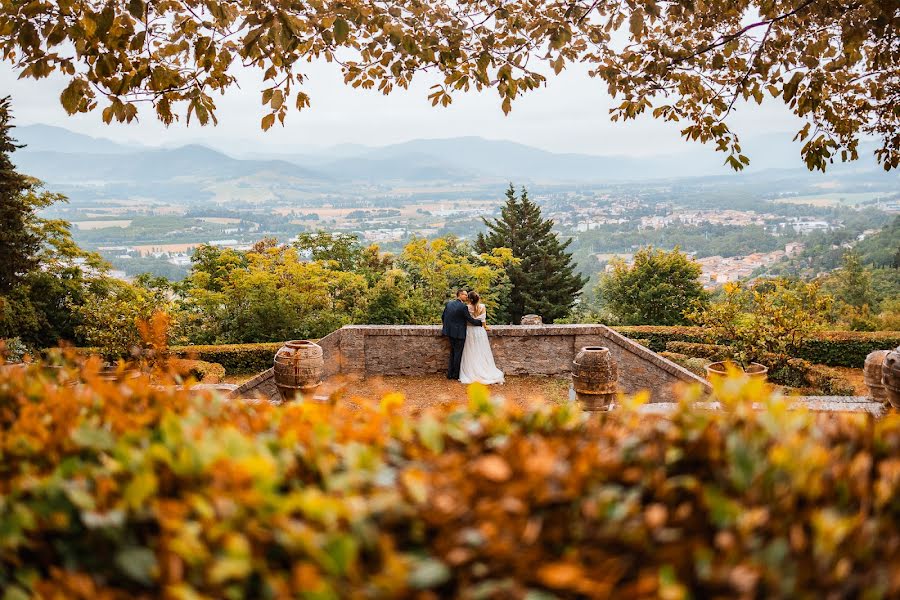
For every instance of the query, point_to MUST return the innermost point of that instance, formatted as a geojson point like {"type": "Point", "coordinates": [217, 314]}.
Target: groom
{"type": "Point", "coordinates": [456, 315]}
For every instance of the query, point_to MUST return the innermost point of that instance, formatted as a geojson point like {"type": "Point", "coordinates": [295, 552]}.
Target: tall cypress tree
{"type": "Point", "coordinates": [544, 282]}
{"type": "Point", "coordinates": [18, 242]}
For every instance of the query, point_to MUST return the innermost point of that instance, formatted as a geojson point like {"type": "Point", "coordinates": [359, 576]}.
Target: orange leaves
{"type": "Point", "coordinates": [492, 468]}
{"type": "Point", "coordinates": [148, 491]}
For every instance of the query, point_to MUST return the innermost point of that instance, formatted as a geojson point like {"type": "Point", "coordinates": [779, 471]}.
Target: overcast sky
{"type": "Point", "coordinates": [570, 114]}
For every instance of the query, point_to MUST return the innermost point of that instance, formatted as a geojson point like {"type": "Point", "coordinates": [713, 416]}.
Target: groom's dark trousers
{"type": "Point", "coordinates": [456, 316]}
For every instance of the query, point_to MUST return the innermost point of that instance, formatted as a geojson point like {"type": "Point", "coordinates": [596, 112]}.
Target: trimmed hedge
{"type": "Point", "coordinates": [695, 365]}
{"type": "Point", "coordinates": [797, 373]}
{"type": "Point", "coordinates": [832, 348]}
{"type": "Point", "coordinates": [236, 358]}
{"type": "Point", "coordinates": [202, 371]}
{"type": "Point", "coordinates": [112, 492]}
{"type": "Point", "coordinates": [711, 352]}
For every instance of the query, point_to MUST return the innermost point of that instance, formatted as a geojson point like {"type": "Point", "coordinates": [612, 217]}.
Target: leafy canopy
{"type": "Point", "coordinates": [834, 64]}
{"type": "Point", "coordinates": [656, 290]}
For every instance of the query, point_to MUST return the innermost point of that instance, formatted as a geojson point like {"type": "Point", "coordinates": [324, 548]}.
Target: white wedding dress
{"type": "Point", "coordinates": [477, 358]}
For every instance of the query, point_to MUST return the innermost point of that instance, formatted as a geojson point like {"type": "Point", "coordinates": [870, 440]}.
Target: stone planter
{"type": "Point", "coordinates": [532, 320]}
{"type": "Point", "coordinates": [299, 366]}
{"type": "Point", "coordinates": [872, 374]}
{"type": "Point", "coordinates": [594, 376]}
{"type": "Point", "coordinates": [890, 377]}
{"type": "Point", "coordinates": [720, 369]}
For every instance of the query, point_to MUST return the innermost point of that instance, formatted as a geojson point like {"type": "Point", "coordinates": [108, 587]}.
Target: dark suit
{"type": "Point", "coordinates": [456, 316]}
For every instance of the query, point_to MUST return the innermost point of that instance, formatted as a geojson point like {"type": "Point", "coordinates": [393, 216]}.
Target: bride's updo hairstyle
{"type": "Point", "coordinates": [474, 298]}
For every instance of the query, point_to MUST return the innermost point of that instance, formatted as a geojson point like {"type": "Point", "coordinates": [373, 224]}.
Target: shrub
{"type": "Point", "coordinates": [831, 348]}
{"type": "Point", "coordinates": [202, 371]}
{"type": "Point", "coordinates": [695, 365]}
{"type": "Point", "coordinates": [712, 352]}
{"type": "Point", "coordinates": [846, 348]}
{"type": "Point", "coordinates": [235, 358]}
{"type": "Point", "coordinates": [130, 491]}
{"type": "Point", "coordinates": [659, 335]}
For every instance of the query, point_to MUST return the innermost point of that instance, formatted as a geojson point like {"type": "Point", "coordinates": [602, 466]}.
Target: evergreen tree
{"type": "Point", "coordinates": [19, 244]}
{"type": "Point", "coordinates": [544, 282]}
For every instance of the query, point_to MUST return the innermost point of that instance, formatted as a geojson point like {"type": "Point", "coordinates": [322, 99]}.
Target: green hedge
{"type": "Point", "coordinates": [201, 370]}
{"type": "Point", "coordinates": [832, 348]}
{"type": "Point", "coordinates": [236, 358]}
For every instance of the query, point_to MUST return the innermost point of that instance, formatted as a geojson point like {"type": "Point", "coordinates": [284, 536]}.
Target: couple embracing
{"type": "Point", "coordinates": [471, 359]}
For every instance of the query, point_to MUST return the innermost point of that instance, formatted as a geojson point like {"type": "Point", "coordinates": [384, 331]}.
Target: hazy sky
{"type": "Point", "coordinates": [570, 114]}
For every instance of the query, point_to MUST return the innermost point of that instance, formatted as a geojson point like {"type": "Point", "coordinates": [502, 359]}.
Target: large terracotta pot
{"type": "Point", "coordinates": [594, 376]}
{"type": "Point", "coordinates": [720, 369]}
{"type": "Point", "coordinates": [299, 366]}
{"type": "Point", "coordinates": [890, 376]}
{"type": "Point", "coordinates": [872, 374]}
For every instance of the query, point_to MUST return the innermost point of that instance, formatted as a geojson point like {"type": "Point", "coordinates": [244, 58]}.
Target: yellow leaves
{"type": "Point", "coordinates": [414, 482]}
{"type": "Point", "coordinates": [141, 487]}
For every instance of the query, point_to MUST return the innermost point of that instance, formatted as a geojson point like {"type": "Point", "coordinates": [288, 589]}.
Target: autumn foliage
{"type": "Point", "coordinates": [130, 490]}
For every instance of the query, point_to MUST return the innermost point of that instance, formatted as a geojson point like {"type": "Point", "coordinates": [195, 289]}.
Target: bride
{"type": "Point", "coordinates": [477, 358]}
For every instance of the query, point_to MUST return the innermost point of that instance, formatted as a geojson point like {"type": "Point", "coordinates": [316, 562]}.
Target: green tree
{"type": "Point", "coordinates": [544, 281]}
{"type": "Point", "coordinates": [853, 282]}
{"type": "Point", "coordinates": [42, 271]}
{"type": "Point", "coordinates": [268, 294]}
{"type": "Point", "coordinates": [19, 243]}
{"type": "Point", "coordinates": [435, 269]}
{"type": "Point", "coordinates": [109, 318]}
{"type": "Point", "coordinates": [687, 62]}
{"type": "Point", "coordinates": [656, 290]}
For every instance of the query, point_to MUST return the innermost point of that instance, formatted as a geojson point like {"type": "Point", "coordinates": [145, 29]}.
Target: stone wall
{"type": "Point", "coordinates": [518, 350]}
{"type": "Point", "coordinates": [548, 350]}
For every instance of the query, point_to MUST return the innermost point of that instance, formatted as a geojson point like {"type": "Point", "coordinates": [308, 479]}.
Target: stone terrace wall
{"type": "Point", "coordinates": [519, 350]}
{"type": "Point", "coordinates": [367, 350]}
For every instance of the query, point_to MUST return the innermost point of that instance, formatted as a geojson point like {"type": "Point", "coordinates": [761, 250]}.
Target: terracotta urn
{"type": "Point", "coordinates": [594, 376]}
{"type": "Point", "coordinates": [890, 376]}
{"type": "Point", "coordinates": [532, 320]}
{"type": "Point", "coordinates": [720, 369]}
{"type": "Point", "coordinates": [299, 366]}
{"type": "Point", "coordinates": [872, 374]}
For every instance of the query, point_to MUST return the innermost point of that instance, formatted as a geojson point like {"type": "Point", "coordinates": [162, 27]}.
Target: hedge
{"type": "Point", "coordinates": [832, 348]}
{"type": "Point", "coordinates": [803, 375]}
{"type": "Point", "coordinates": [117, 491]}
{"type": "Point", "coordinates": [236, 358]}
{"type": "Point", "coordinates": [202, 371]}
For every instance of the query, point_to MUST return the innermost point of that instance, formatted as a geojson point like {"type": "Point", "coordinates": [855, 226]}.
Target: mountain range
{"type": "Point", "coordinates": [80, 162]}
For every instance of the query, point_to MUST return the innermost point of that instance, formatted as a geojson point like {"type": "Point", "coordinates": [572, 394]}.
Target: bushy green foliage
{"type": "Point", "coordinates": [126, 490]}
{"type": "Point", "coordinates": [767, 317]}
{"type": "Point", "coordinates": [658, 288]}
